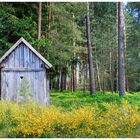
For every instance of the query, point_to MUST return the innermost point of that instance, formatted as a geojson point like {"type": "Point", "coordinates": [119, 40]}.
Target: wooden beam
{"type": "Point", "coordinates": [22, 69]}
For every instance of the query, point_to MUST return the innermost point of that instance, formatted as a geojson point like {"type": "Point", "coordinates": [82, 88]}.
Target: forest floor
{"type": "Point", "coordinates": [68, 100]}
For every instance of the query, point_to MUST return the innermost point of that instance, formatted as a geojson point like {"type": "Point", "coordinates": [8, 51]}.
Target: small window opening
{"type": "Point", "coordinates": [21, 77]}
{"type": "Point", "coordinates": [42, 66]}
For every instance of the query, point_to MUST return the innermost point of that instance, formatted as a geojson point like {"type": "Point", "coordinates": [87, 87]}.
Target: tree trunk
{"type": "Point", "coordinates": [110, 71]}
{"type": "Point", "coordinates": [84, 77]}
{"type": "Point", "coordinates": [62, 81]}
{"type": "Point", "coordinates": [91, 70]}
{"type": "Point", "coordinates": [39, 19]}
{"type": "Point", "coordinates": [87, 75]}
{"type": "Point", "coordinates": [77, 74]}
{"type": "Point", "coordinates": [57, 82]}
{"type": "Point", "coordinates": [98, 77]}
{"type": "Point", "coordinates": [48, 19]}
{"type": "Point", "coordinates": [116, 66]}
{"type": "Point", "coordinates": [73, 77]}
{"type": "Point", "coordinates": [103, 85]}
{"type": "Point", "coordinates": [74, 69]}
{"type": "Point", "coordinates": [126, 79]}
{"type": "Point", "coordinates": [115, 73]}
{"type": "Point", "coordinates": [127, 84]}
{"type": "Point", "coordinates": [65, 81]}
{"type": "Point", "coordinates": [121, 68]}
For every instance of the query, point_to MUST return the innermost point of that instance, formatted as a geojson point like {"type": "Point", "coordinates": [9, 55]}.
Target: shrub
{"type": "Point", "coordinates": [36, 121]}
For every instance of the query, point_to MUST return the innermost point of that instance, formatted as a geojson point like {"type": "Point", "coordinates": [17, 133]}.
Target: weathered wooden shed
{"type": "Point", "coordinates": [23, 63]}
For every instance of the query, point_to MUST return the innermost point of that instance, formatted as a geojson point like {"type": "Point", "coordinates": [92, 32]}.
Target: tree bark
{"type": "Point", "coordinates": [65, 81]}
{"type": "Point", "coordinates": [62, 81]}
{"type": "Point", "coordinates": [98, 77]}
{"type": "Point", "coordinates": [39, 19]}
{"type": "Point", "coordinates": [127, 84]}
{"type": "Point", "coordinates": [74, 69]}
{"type": "Point", "coordinates": [71, 79]}
{"type": "Point", "coordinates": [116, 54]}
{"type": "Point", "coordinates": [77, 74]}
{"type": "Point", "coordinates": [49, 19]}
{"type": "Point", "coordinates": [110, 71]}
{"type": "Point", "coordinates": [84, 77]}
{"type": "Point", "coordinates": [103, 83]}
{"type": "Point", "coordinates": [91, 69]}
{"type": "Point", "coordinates": [121, 68]}
{"type": "Point", "coordinates": [73, 76]}
{"type": "Point", "coordinates": [57, 80]}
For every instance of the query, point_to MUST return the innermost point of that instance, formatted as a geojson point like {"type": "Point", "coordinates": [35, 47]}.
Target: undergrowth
{"type": "Point", "coordinates": [31, 120]}
{"type": "Point", "coordinates": [68, 100]}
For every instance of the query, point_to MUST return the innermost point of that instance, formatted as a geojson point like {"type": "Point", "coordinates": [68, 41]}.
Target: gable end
{"type": "Point", "coordinates": [18, 44]}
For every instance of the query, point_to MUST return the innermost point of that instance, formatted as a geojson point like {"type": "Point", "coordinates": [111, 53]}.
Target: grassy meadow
{"type": "Point", "coordinates": [69, 100]}
{"type": "Point", "coordinates": [74, 115]}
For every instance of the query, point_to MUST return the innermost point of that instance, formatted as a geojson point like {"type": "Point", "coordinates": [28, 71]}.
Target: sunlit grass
{"type": "Point", "coordinates": [68, 100]}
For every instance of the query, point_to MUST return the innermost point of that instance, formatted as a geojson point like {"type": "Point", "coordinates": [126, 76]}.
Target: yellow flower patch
{"type": "Point", "coordinates": [33, 120]}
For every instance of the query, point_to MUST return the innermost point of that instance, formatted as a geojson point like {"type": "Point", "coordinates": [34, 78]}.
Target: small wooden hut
{"type": "Point", "coordinates": [24, 71]}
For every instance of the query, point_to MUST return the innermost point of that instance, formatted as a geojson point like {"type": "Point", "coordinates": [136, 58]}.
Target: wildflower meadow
{"type": "Point", "coordinates": [92, 120]}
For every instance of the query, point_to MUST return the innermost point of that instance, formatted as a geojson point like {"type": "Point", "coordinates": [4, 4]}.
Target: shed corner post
{"type": "Point", "coordinates": [47, 89]}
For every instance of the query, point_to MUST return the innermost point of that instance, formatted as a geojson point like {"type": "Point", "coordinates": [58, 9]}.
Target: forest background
{"type": "Point", "coordinates": [58, 32]}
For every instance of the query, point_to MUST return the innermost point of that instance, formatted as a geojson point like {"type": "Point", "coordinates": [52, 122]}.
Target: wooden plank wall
{"type": "Point", "coordinates": [11, 84]}
{"type": "Point", "coordinates": [22, 57]}
{"type": "Point", "coordinates": [23, 62]}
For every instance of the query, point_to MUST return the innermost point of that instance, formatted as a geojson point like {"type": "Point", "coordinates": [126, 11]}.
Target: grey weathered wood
{"type": "Point", "coordinates": [47, 101]}
{"type": "Point", "coordinates": [11, 60]}
{"type": "Point", "coordinates": [22, 69]}
{"type": "Point", "coordinates": [37, 81]}
{"type": "Point", "coordinates": [4, 86]}
{"type": "Point", "coordinates": [11, 86]}
{"type": "Point", "coordinates": [23, 57]}
{"type": "Point", "coordinates": [22, 62]}
{"type": "Point", "coordinates": [4, 63]}
{"type": "Point", "coordinates": [22, 40]}
{"type": "Point", "coordinates": [26, 60]}
{"type": "Point", "coordinates": [36, 85]}
{"type": "Point", "coordinates": [17, 57]}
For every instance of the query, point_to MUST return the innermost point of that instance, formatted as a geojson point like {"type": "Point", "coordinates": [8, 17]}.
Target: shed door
{"type": "Point", "coordinates": [15, 84]}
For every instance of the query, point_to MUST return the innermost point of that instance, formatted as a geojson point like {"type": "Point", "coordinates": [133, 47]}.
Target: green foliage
{"type": "Point", "coordinates": [25, 94]}
{"type": "Point", "coordinates": [132, 49]}
{"type": "Point", "coordinates": [66, 40]}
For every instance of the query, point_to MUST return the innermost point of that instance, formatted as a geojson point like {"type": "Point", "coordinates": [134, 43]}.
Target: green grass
{"type": "Point", "coordinates": [68, 100]}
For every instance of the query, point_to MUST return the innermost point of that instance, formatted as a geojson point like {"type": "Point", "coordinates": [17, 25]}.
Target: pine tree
{"type": "Point", "coordinates": [39, 19]}
{"type": "Point", "coordinates": [121, 68]}
{"type": "Point", "coordinates": [91, 70]}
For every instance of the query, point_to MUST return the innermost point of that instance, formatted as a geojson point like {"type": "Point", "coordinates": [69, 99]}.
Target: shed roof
{"type": "Point", "coordinates": [30, 47]}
